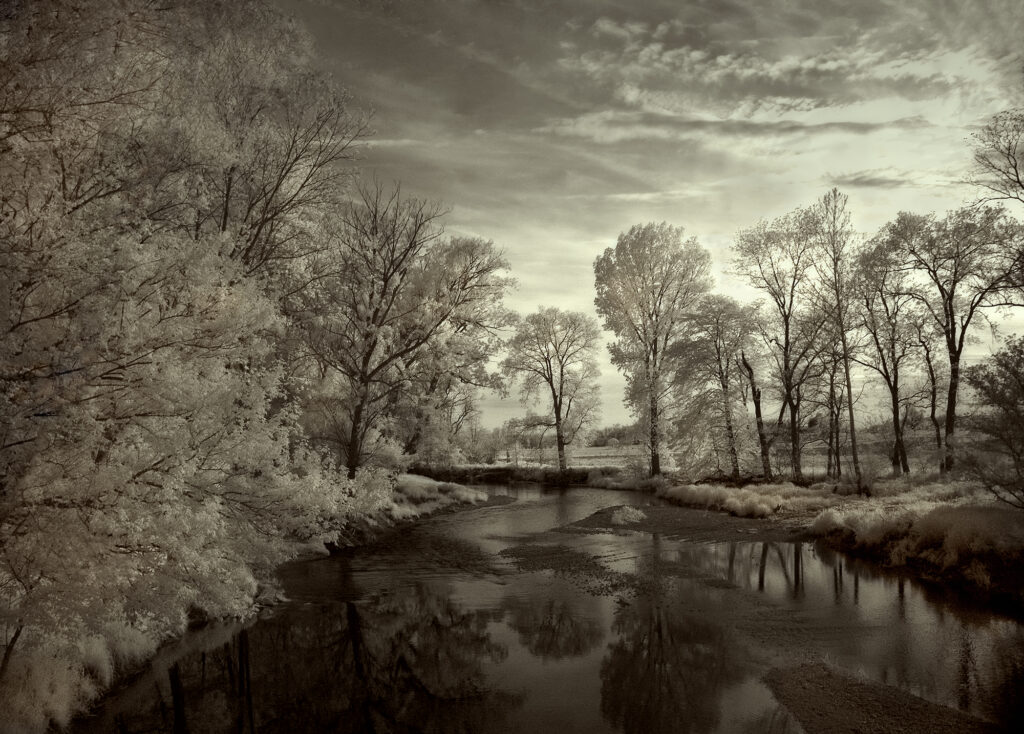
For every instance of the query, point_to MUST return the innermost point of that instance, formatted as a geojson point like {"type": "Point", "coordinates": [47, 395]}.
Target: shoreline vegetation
{"type": "Point", "coordinates": [45, 690]}
{"type": "Point", "coordinates": [951, 534]}
{"type": "Point", "coordinates": [944, 534]}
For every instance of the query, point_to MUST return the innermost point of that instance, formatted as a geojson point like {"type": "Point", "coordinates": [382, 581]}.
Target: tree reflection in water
{"type": "Point", "coordinates": [666, 671]}
{"type": "Point", "coordinates": [408, 660]}
{"type": "Point", "coordinates": [553, 630]}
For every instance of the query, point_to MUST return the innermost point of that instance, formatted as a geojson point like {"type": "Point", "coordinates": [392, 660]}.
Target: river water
{"type": "Point", "coordinates": [440, 630]}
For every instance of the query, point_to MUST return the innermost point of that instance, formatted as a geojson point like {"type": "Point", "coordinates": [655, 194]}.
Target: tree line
{"type": "Point", "coordinates": [219, 340]}
{"type": "Point", "coordinates": [901, 304]}
{"type": "Point", "coordinates": [214, 329]}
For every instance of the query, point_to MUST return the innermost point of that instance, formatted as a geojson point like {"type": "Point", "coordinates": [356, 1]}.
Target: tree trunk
{"type": "Point", "coordinates": [734, 456]}
{"type": "Point", "coordinates": [849, 410]}
{"type": "Point", "coordinates": [898, 452]}
{"type": "Point", "coordinates": [354, 441]}
{"type": "Point", "coordinates": [933, 402]}
{"type": "Point", "coordinates": [655, 437]}
{"type": "Point", "coordinates": [9, 650]}
{"type": "Point", "coordinates": [794, 437]}
{"type": "Point", "coordinates": [730, 434]}
{"type": "Point", "coordinates": [560, 440]}
{"type": "Point", "coordinates": [762, 437]}
{"type": "Point", "coordinates": [180, 726]}
{"type": "Point", "coordinates": [950, 427]}
{"type": "Point", "coordinates": [903, 446]}
{"type": "Point", "coordinates": [833, 433]}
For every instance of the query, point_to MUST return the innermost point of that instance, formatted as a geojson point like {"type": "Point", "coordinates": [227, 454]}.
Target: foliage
{"type": "Point", "coordinates": [647, 287]}
{"type": "Point", "coordinates": [997, 455]}
{"type": "Point", "coordinates": [390, 295]}
{"type": "Point", "coordinates": [553, 352]}
{"type": "Point", "coordinates": [169, 173]}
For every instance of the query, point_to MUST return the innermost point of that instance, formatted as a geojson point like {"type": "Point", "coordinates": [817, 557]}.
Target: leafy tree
{"type": "Point", "coordinates": [723, 329]}
{"type": "Point", "coordinates": [149, 461]}
{"type": "Point", "coordinates": [389, 288]}
{"type": "Point", "coordinates": [647, 288]}
{"type": "Point", "coordinates": [963, 264]}
{"type": "Point", "coordinates": [553, 352]}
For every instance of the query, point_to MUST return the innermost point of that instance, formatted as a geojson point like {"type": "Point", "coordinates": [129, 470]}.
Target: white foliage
{"type": "Point", "coordinates": [627, 515]}
{"type": "Point", "coordinates": [750, 501]}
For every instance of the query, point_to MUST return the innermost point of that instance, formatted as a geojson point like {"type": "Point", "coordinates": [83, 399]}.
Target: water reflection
{"type": "Point", "coordinates": [409, 661]}
{"type": "Point", "coordinates": [666, 671]}
{"type": "Point", "coordinates": [423, 633]}
{"type": "Point", "coordinates": [552, 629]}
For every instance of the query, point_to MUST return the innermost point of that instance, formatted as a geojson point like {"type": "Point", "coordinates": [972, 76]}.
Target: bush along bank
{"type": "Point", "coordinates": [968, 546]}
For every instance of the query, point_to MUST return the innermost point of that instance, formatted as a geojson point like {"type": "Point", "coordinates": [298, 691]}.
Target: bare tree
{"type": "Point", "coordinates": [999, 157]}
{"type": "Point", "coordinates": [777, 258]}
{"type": "Point", "coordinates": [965, 263]}
{"type": "Point", "coordinates": [892, 318]}
{"type": "Point", "coordinates": [554, 351]}
{"type": "Point", "coordinates": [997, 458]}
{"type": "Point", "coordinates": [647, 287]}
{"type": "Point", "coordinates": [833, 237]}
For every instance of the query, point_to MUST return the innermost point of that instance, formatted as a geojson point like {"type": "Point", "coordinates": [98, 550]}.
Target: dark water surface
{"type": "Point", "coordinates": [435, 631]}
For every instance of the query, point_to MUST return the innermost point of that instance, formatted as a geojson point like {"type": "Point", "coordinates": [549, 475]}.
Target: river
{"type": "Point", "coordinates": [492, 620]}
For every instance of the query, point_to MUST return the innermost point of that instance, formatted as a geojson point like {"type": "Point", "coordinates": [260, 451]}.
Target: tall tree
{"type": "Point", "coordinates": [833, 238]}
{"type": "Point", "coordinates": [142, 432]}
{"type": "Point", "coordinates": [890, 315]}
{"type": "Point", "coordinates": [647, 288]}
{"type": "Point", "coordinates": [390, 286]}
{"type": "Point", "coordinates": [746, 363]}
{"type": "Point", "coordinates": [553, 351]}
{"type": "Point", "coordinates": [723, 329]}
{"type": "Point", "coordinates": [964, 263]}
{"type": "Point", "coordinates": [777, 258]}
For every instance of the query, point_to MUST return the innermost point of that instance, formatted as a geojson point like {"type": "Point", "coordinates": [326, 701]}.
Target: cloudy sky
{"type": "Point", "coordinates": [550, 127]}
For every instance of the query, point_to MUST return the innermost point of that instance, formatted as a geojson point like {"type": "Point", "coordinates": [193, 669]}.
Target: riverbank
{"type": "Point", "coordinates": [950, 535]}
{"type": "Point", "coordinates": [48, 686]}
{"type": "Point", "coordinates": [825, 701]}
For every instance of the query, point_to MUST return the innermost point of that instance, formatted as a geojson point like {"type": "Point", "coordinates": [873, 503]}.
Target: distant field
{"type": "Point", "coordinates": [874, 451]}
{"type": "Point", "coordinates": [584, 456]}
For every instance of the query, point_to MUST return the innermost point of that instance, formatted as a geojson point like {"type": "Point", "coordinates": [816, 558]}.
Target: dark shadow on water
{"type": "Point", "coordinates": [553, 629]}
{"type": "Point", "coordinates": [392, 663]}
{"type": "Point", "coordinates": [420, 633]}
{"type": "Point", "coordinates": [666, 671]}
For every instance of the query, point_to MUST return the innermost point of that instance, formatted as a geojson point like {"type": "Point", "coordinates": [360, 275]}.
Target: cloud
{"type": "Point", "coordinates": [884, 178]}
{"type": "Point", "coordinates": [613, 126]}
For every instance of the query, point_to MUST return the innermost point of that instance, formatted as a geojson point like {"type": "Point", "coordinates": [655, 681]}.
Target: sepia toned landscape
{"type": "Point", "coordinates": [511, 366]}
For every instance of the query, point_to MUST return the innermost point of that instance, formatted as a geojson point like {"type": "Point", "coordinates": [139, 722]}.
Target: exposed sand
{"type": "Point", "coordinates": [827, 702]}
{"type": "Point", "coordinates": [687, 523]}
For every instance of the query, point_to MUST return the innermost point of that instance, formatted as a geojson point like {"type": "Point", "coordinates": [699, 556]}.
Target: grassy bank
{"type": "Point", "coordinates": [47, 685]}
{"type": "Point", "coordinates": [950, 533]}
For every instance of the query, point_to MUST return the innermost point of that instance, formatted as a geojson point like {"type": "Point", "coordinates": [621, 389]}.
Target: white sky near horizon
{"type": "Point", "coordinates": [551, 127]}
